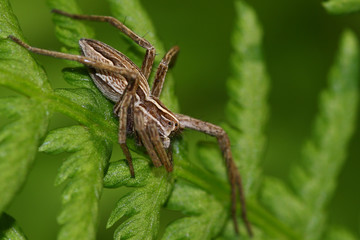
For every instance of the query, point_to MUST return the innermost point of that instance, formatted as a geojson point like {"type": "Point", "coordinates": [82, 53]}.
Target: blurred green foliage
{"type": "Point", "coordinates": [300, 42]}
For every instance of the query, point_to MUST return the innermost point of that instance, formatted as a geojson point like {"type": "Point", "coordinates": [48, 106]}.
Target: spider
{"type": "Point", "coordinates": [139, 109]}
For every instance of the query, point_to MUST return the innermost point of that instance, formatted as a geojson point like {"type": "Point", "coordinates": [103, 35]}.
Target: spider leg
{"type": "Point", "coordinates": [158, 144]}
{"type": "Point", "coordinates": [141, 130]}
{"type": "Point", "coordinates": [78, 58]}
{"type": "Point", "coordinates": [233, 174]}
{"type": "Point", "coordinates": [164, 65]}
{"type": "Point", "coordinates": [150, 50]}
{"type": "Point", "coordinates": [121, 110]}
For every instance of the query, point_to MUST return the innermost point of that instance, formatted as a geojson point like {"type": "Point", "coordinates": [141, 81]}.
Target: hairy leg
{"type": "Point", "coordinates": [157, 143]}
{"type": "Point", "coordinates": [78, 58]}
{"type": "Point", "coordinates": [150, 50]}
{"type": "Point", "coordinates": [233, 174]}
{"type": "Point", "coordinates": [140, 128]}
{"type": "Point", "coordinates": [164, 65]}
{"type": "Point", "coordinates": [121, 110]}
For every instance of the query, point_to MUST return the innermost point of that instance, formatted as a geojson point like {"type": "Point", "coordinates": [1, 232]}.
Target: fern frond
{"type": "Point", "coordinates": [246, 111]}
{"type": "Point", "coordinates": [89, 100]}
{"type": "Point", "coordinates": [68, 30]}
{"type": "Point", "coordinates": [9, 229]}
{"type": "Point", "coordinates": [210, 158]}
{"type": "Point", "coordinates": [27, 118]}
{"type": "Point", "coordinates": [118, 174]}
{"type": "Point", "coordinates": [286, 206]}
{"type": "Point", "coordinates": [315, 179]}
{"type": "Point", "coordinates": [342, 6]}
{"type": "Point", "coordinates": [18, 70]}
{"type": "Point", "coordinates": [247, 88]}
{"type": "Point", "coordinates": [28, 124]}
{"type": "Point", "coordinates": [83, 171]}
{"type": "Point", "coordinates": [142, 207]}
{"type": "Point", "coordinates": [205, 215]}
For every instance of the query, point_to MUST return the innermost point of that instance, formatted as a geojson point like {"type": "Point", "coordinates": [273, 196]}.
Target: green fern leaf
{"type": "Point", "coordinates": [342, 6]}
{"type": "Point", "coordinates": [118, 174]}
{"type": "Point", "coordinates": [284, 204]}
{"type": "Point", "coordinates": [247, 87]}
{"type": "Point", "coordinates": [19, 142]}
{"type": "Point", "coordinates": [84, 171]}
{"type": "Point", "coordinates": [89, 100]}
{"type": "Point", "coordinates": [68, 30]}
{"type": "Point", "coordinates": [16, 62]}
{"type": "Point", "coordinates": [79, 77]}
{"type": "Point", "coordinates": [142, 207]}
{"type": "Point", "coordinates": [246, 111]}
{"type": "Point", "coordinates": [202, 193]}
{"type": "Point", "coordinates": [210, 158]}
{"type": "Point", "coordinates": [9, 229]}
{"type": "Point", "coordinates": [315, 179]}
{"type": "Point", "coordinates": [27, 118]}
{"type": "Point", "coordinates": [205, 214]}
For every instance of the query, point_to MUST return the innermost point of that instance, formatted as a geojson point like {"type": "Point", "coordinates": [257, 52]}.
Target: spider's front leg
{"type": "Point", "coordinates": [150, 137]}
{"type": "Point", "coordinates": [167, 62]}
{"type": "Point", "coordinates": [89, 62]}
{"type": "Point", "coordinates": [159, 146]}
{"type": "Point", "coordinates": [233, 174]}
{"type": "Point", "coordinates": [150, 50]}
{"type": "Point", "coordinates": [121, 110]}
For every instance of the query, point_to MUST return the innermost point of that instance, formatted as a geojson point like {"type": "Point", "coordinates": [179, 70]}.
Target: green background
{"type": "Point", "coordinates": [300, 41]}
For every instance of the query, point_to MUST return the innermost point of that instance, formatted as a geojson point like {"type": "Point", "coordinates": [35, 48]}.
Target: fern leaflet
{"type": "Point", "coordinates": [27, 118]}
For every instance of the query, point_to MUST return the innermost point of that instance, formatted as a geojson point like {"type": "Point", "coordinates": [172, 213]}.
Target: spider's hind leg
{"type": "Point", "coordinates": [233, 174]}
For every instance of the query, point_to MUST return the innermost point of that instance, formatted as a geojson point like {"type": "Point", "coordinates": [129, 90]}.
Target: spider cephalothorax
{"type": "Point", "coordinates": [139, 109]}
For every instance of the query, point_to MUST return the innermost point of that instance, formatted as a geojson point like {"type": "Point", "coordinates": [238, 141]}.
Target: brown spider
{"type": "Point", "coordinates": [139, 110]}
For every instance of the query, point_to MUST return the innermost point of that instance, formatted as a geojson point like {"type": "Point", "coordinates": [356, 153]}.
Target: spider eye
{"type": "Point", "coordinates": [176, 124]}
{"type": "Point", "coordinates": [170, 123]}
